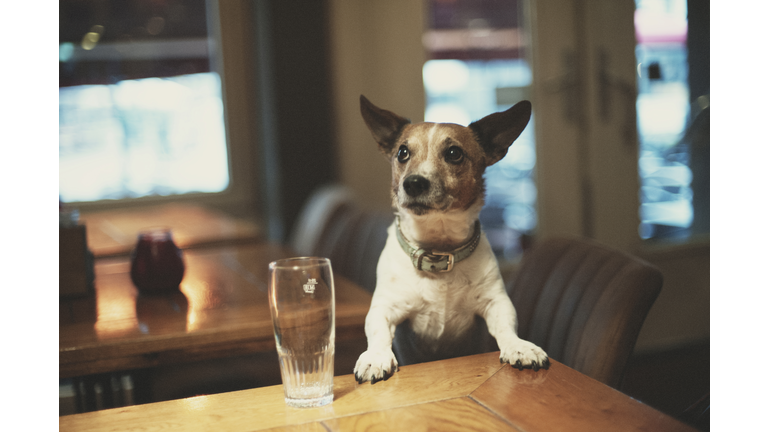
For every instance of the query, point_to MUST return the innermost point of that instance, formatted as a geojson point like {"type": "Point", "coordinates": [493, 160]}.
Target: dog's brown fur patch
{"type": "Point", "coordinates": [453, 186]}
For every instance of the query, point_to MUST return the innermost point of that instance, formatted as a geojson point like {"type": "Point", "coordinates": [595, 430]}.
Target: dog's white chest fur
{"type": "Point", "coordinates": [443, 310]}
{"type": "Point", "coordinates": [438, 305]}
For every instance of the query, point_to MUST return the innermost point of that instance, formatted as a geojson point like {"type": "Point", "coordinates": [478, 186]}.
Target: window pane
{"type": "Point", "coordinates": [477, 67]}
{"type": "Point", "coordinates": [663, 110]}
{"type": "Point", "coordinates": [140, 105]}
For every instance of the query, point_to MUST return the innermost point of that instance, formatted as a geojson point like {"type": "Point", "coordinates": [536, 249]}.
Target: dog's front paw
{"type": "Point", "coordinates": [522, 354]}
{"type": "Point", "coordinates": [375, 366]}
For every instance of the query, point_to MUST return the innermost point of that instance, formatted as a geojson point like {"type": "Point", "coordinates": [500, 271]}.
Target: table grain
{"type": "Point", "coordinates": [474, 393]}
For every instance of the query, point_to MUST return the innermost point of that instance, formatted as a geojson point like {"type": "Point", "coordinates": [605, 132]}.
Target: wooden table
{"type": "Point", "coordinates": [221, 311]}
{"type": "Point", "coordinates": [114, 232]}
{"type": "Point", "coordinates": [467, 394]}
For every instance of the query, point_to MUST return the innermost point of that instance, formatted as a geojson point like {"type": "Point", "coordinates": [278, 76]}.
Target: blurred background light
{"type": "Point", "coordinates": [445, 76]}
{"type": "Point", "coordinates": [66, 50]}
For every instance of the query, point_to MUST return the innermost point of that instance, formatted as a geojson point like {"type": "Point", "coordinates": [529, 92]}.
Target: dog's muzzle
{"type": "Point", "coordinates": [434, 261]}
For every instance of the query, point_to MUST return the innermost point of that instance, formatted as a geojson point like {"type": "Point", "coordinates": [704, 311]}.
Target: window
{"type": "Point", "coordinates": [663, 116]}
{"type": "Point", "coordinates": [140, 101]}
{"type": "Point", "coordinates": [477, 67]}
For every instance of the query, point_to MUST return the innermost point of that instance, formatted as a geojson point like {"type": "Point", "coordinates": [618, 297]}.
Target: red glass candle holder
{"type": "Point", "coordinates": [157, 266]}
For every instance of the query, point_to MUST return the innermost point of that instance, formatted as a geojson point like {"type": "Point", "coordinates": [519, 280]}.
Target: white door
{"type": "Point", "coordinates": [584, 91]}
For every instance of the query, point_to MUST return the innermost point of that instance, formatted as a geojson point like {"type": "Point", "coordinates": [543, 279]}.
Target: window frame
{"type": "Point", "coordinates": [229, 33]}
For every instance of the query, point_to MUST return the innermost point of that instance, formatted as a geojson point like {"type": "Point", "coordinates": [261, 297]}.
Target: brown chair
{"type": "Point", "coordinates": [332, 225]}
{"type": "Point", "coordinates": [321, 209]}
{"type": "Point", "coordinates": [584, 303]}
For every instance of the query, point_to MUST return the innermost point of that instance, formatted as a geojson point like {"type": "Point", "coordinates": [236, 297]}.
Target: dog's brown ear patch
{"type": "Point", "coordinates": [385, 126]}
{"type": "Point", "coordinates": [496, 132]}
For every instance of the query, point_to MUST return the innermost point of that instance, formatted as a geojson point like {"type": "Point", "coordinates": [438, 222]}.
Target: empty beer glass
{"type": "Point", "coordinates": [302, 303]}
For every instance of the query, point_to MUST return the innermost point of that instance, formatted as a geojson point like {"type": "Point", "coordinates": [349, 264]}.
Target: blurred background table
{"type": "Point", "coordinates": [221, 313]}
{"type": "Point", "coordinates": [113, 232]}
{"type": "Point", "coordinates": [473, 393]}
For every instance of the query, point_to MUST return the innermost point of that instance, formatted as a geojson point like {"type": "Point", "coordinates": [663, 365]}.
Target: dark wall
{"type": "Point", "coordinates": [698, 47]}
{"type": "Point", "coordinates": [295, 105]}
{"type": "Point", "coordinates": [698, 135]}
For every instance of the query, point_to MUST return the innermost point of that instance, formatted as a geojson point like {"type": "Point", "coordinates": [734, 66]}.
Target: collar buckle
{"type": "Point", "coordinates": [439, 262]}
{"type": "Point", "coordinates": [435, 260]}
{"type": "Point", "coordinates": [451, 260]}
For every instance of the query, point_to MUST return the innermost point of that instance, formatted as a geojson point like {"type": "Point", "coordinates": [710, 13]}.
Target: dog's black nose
{"type": "Point", "coordinates": [415, 185]}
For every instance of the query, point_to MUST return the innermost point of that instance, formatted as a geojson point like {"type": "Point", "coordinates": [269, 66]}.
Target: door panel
{"type": "Point", "coordinates": [584, 89]}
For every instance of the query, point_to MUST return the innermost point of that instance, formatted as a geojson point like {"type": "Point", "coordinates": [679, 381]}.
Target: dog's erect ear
{"type": "Point", "coordinates": [496, 132]}
{"type": "Point", "coordinates": [384, 125]}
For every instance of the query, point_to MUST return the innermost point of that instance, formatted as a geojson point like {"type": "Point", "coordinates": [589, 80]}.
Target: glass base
{"type": "Point", "coordinates": [309, 402]}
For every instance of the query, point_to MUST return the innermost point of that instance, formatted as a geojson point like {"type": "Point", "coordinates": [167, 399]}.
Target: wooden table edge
{"type": "Point", "coordinates": [202, 345]}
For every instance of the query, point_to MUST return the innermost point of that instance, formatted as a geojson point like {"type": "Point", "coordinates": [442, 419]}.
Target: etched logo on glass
{"type": "Point", "coordinates": [309, 287]}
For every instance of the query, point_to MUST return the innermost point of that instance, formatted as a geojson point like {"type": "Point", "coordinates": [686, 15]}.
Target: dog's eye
{"type": "Point", "coordinates": [454, 155]}
{"type": "Point", "coordinates": [403, 154]}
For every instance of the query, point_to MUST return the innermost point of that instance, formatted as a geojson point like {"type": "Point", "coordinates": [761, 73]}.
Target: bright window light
{"type": "Point", "coordinates": [135, 138]}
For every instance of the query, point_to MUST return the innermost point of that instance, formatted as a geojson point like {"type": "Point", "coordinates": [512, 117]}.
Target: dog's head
{"type": "Point", "coordinates": [440, 166]}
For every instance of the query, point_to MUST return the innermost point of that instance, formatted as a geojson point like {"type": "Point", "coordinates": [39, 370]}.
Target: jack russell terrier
{"type": "Point", "coordinates": [439, 293]}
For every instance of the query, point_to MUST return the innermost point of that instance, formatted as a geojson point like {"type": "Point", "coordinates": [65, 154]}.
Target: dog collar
{"type": "Point", "coordinates": [434, 261]}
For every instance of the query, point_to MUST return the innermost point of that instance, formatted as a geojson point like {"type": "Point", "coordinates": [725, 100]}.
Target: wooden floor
{"type": "Point", "coordinates": [670, 381]}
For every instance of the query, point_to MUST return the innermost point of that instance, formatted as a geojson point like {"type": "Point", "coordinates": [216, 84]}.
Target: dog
{"type": "Point", "coordinates": [439, 293]}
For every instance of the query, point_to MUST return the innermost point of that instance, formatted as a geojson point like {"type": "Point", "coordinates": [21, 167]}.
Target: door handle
{"type": "Point", "coordinates": [569, 84]}
{"type": "Point", "coordinates": [609, 89]}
